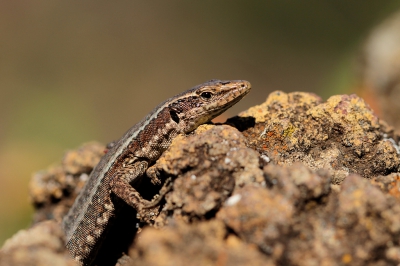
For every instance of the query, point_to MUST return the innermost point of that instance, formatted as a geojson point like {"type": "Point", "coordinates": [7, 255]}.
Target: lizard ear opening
{"type": "Point", "coordinates": [174, 116]}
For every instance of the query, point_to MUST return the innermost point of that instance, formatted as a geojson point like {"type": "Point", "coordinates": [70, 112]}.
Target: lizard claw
{"type": "Point", "coordinates": [146, 214]}
{"type": "Point", "coordinates": [154, 175]}
{"type": "Point", "coordinates": [157, 199]}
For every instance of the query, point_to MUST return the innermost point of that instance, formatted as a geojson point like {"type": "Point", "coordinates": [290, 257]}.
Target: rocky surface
{"type": "Point", "coordinates": [342, 134]}
{"type": "Point", "coordinates": [293, 181]}
{"type": "Point", "coordinates": [42, 244]}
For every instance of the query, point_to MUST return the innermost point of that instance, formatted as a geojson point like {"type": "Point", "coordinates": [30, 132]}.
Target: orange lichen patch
{"type": "Point", "coordinates": [346, 259]}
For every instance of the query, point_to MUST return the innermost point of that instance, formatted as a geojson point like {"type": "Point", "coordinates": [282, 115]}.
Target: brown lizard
{"type": "Point", "coordinates": [131, 158]}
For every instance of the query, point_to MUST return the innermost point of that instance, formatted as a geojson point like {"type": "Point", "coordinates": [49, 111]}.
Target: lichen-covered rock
{"type": "Point", "coordinates": [342, 135]}
{"type": "Point", "coordinates": [297, 182]}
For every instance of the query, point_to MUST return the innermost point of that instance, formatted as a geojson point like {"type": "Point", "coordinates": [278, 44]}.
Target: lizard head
{"type": "Point", "coordinates": [206, 101]}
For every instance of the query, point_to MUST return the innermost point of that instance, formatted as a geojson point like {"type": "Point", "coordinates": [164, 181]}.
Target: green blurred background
{"type": "Point", "coordinates": [73, 71]}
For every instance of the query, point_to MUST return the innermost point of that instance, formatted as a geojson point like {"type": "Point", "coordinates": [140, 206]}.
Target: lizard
{"type": "Point", "coordinates": [131, 158]}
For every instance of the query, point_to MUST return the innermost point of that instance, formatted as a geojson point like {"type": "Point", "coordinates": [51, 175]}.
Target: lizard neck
{"type": "Point", "coordinates": [155, 136]}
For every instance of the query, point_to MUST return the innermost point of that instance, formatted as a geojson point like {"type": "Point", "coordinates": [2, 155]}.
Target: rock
{"type": "Point", "coordinates": [206, 167]}
{"type": "Point", "coordinates": [342, 135]}
{"type": "Point", "coordinates": [205, 243]}
{"type": "Point", "coordinates": [293, 181]}
{"type": "Point", "coordinates": [43, 244]}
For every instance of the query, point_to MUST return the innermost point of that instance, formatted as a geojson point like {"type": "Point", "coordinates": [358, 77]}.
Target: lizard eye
{"type": "Point", "coordinates": [206, 95]}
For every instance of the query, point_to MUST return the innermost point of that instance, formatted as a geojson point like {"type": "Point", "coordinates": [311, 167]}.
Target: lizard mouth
{"type": "Point", "coordinates": [232, 97]}
{"type": "Point", "coordinates": [228, 100]}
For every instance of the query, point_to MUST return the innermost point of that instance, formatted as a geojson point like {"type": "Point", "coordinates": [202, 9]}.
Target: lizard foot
{"type": "Point", "coordinates": [164, 190]}
{"type": "Point", "coordinates": [148, 215]}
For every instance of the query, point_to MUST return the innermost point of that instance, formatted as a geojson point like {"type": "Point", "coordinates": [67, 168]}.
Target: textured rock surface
{"type": "Point", "coordinates": [206, 243]}
{"type": "Point", "coordinates": [43, 244]}
{"type": "Point", "coordinates": [297, 182]}
{"type": "Point", "coordinates": [342, 135]}
{"type": "Point", "coordinates": [206, 166]}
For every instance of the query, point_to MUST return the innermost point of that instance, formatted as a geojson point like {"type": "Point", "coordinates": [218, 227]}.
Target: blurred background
{"type": "Point", "coordinates": [73, 71]}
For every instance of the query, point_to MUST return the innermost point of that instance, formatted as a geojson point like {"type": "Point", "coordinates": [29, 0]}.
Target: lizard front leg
{"type": "Point", "coordinates": [120, 184]}
{"type": "Point", "coordinates": [153, 173]}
